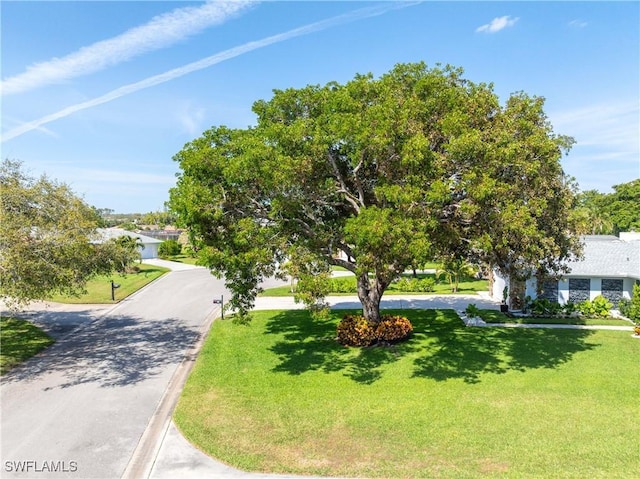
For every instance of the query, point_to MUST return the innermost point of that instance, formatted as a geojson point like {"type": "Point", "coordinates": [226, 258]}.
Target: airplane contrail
{"type": "Point", "coordinates": [206, 62]}
{"type": "Point", "coordinates": [160, 32]}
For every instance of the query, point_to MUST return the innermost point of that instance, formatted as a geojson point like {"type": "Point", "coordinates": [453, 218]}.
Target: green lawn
{"type": "Point", "coordinates": [493, 316]}
{"type": "Point", "coordinates": [466, 286]}
{"type": "Point", "coordinates": [99, 288]}
{"type": "Point", "coordinates": [19, 340]}
{"type": "Point", "coordinates": [432, 265]}
{"type": "Point", "coordinates": [183, 258]}
{"type": "Point", "coordinates": [281, 396]}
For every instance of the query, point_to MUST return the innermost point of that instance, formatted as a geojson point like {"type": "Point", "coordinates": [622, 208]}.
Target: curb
{"type": "Point", "coordinates": [146, 452]}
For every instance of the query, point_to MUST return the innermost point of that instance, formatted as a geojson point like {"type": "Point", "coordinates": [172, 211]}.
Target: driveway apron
{"type": "Point", "coordinates": [80, 408]}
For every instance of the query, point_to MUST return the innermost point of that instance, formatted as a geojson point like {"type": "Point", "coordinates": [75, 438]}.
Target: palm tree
{"type": "Point", "coordinates": [455, 268]}
{"type": "Point", "coordinates": [130, 247]}
{"type": "Point", "coordinates": [130, 243]}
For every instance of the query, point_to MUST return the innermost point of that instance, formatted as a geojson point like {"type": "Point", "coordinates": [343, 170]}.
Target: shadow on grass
{"type": "Point", "coordinates": [19, 341]}
{"type": "Point", "coordinates": [441, 347]}
{"type": "Point", "coordinates": [112, 352]}
{"type": "Point", "coordinates": [468, 353]}
{"type": "Point", "coordinates": [309, 344]}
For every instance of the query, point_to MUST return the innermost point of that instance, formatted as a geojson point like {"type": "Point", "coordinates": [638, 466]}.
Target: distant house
{"type": "Point", "coordinates": [164, 235]}
{"type": "Point", "coordinates": [150, 245]}
{"type": "Point", "coordinates": [610, 267]}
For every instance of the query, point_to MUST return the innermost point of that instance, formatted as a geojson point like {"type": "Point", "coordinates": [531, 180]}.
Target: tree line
{"type": "Point", "coordinates": [132, 221]}
{"type": "Point", "coordinates": [609, 213]}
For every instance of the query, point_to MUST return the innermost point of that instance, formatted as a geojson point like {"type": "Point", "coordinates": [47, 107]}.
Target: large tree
{"type": "Point", "coordinates": [47, 238]}
{"type": "Point", "coordinates": [370, 174]}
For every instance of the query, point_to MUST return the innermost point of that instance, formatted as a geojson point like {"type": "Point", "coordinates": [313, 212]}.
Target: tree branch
{"type": "Point", "coordinates": [343, 187]}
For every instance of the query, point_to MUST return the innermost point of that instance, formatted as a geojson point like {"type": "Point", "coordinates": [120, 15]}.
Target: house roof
{"type": "Point", "coordinates": [108, 233]}
{"type": "Point", "coordinates": [608, 257]}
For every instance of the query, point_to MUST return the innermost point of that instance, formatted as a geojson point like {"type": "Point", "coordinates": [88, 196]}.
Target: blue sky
{"type": "Point", "coordinates": [102, 95]}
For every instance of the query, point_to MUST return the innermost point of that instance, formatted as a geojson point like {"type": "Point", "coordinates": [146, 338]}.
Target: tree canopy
{"type": "Point", "coordinates": [371, 174]}
{"type": "Point", "coordinates": [621, 206]}
{"type": "Point", "coordinates": [47, 238]}
{"type": "Point", "coordinates": [609, 213]}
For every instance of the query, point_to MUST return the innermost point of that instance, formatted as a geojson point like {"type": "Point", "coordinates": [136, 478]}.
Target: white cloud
{"type": "Point", "coordinates": [497, 24]}
{"type": "Point", "coordinates": [353, 16]}
{"type": "Point", "coordinates": [611, 126]}
{"type": "Point", "coordinates": [607, 143]}
{"type": "Point", "coordinates": [578, 23]}
{"type": "Point", "coordinates": [190, 118]}
{"type": "Point", "coordinates": [160, 32]}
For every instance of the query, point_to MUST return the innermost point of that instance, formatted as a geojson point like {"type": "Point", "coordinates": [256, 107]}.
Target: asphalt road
{"type": "Point", "coordinates": [80, 408]}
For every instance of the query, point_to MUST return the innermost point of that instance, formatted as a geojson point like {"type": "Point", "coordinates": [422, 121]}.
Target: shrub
{"type": "Point", "coordinates": [355, 330]}
{"type": "Point", "coordinates": [545, 307]}
{"type": "Point", "coordinates": [624, 306]}
{"type": "Point", "coordinates": [169, 248]}
{"type": "Point", "coordinates": [405, 284]}
{"type": "Point", "coordinates": [393, 328]}
{"type": "Point", "coordinates": [343, 285]}
{"type": "Point", "coordinates": [415, 285]}
{"type": "Point", "coordinates": [426, 285]}
{"type": "Point", "coordinates": [631, 308]}
{"type": "Point", "coordinates": [600, 306]}
{"type": "Point", "coordinates": [569, 308]}
{"type": "Point", "coordinates": [472, 311]}
{"type": "Point", "coordinates": [312, 290]}
{"type": "Point", "coordinates": [586, 308]}
{"type": "Point", "coordinates": [189, 250]}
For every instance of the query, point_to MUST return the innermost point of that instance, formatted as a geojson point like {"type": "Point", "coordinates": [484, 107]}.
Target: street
{"type": "Point", "coordinates": [80, 407]}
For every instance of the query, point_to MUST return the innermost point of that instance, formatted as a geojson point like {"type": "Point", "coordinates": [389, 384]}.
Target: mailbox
{"type": "Point", "coordinates": [221, 303]}
{"type": "Point", "coordinates": [114, 286]}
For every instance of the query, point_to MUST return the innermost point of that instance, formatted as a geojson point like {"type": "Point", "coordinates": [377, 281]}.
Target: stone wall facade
{"type": "Point", "coordinates": [579, 290]}
{"type": "Point", "coordinates": [612, 290]}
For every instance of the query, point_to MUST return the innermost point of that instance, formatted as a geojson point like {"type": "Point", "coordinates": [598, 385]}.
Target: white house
{"type": "Point", "coordinates": [149, 247]}
{"type": "Point", "coordinates": [610, 267]}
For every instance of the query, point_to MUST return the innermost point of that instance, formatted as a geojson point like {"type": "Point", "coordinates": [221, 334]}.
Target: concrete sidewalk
{"type": "Point", "coordinates": [178, 458]}
{"type": "Point", "coordinates": [405, 301]}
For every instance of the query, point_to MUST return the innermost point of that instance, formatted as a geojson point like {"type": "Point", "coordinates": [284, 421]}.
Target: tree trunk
{"type": "Point", "coordinates": [370, 293]}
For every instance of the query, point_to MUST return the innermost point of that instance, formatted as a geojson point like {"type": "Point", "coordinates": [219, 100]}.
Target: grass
{"type": "Point", "coordinates": [19, 340]}
{"type": "Point", "coordinates": [99, 288]}
{"type": "Point", "coordinates": [466, 286]}
{"type": "Point", "coordinates": [493, 316]}
{"type": "Point", "coordinates": [183, 258]}
{"type": "Point", "coordinates": [281, 396]}
{"type": "Point", "coordinates": [432, 265]}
